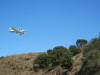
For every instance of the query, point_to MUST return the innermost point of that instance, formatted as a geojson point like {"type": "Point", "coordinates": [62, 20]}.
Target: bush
{"type": "Point", "coordinates": [61, 56]}
{"type": "Point", "coordinates": [43, 60]}
{"type": "Point", "coordinates": [58, 56]}
{"type": "Point", "coordinates": [50, 52]}
{"type": "Point", "coordinates": [67, 61]}
{"type": "Point", "coordinates": [74, 50]}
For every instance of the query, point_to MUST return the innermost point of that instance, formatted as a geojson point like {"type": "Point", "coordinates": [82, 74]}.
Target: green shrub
{"type": "Point", "coordinates": [43, 60]}
{"type": "Point", "coordinates": [58, 56]}
{"type": "Point", "coordinates": [61, 56]}
{"type": "Point", "coordinates": [74, 50]}
{"type": "Point", "coordinates": [50, 52]}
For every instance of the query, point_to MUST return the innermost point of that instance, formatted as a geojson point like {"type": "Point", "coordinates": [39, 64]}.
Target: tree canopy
{"type": "Point", "coordinates": [81, 42]}
{"type": "Point", "coordinates": [74, 50]}
{"type": "Point", "coordinates": [59, 55]}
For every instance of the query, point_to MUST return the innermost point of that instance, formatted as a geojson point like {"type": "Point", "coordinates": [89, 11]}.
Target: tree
{"type": "Point", "coordinates": [80, 43]}
{"type": "Point", "coordinates": [67, 61]}
{"type": "Point", "coordinates": [43, 60]}
{"type": "Point", "coordinates": [74, 50]}
{"type": "Point", "coordinates": [58, 54]}
{"type": "Point", "coordinates": [50, 51]}
{"type": "Point", "coordinates": [61, 56]}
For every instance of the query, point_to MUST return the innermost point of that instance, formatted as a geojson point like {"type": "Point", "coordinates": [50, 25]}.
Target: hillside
{"type": "Point", "coordinates": [83, 62]}
{"type": "Point", "coordinates": [78, 61]}
{"type": "Point", "coordinates": [23, 65]}
{"type": "Point", "coordinates": [18, 64]}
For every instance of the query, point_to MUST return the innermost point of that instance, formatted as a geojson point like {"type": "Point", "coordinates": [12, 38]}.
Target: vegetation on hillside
{"type": "Point", "coordinates": [74, 50]}
{"type": "Point", "coordinates": [63, 56]}
{"type": "Point", "coordinates": [91, 63]}
{"type": "Point", "coordinates": [57, 56]}
{"type": "Point", "coordinates": [60, 55]}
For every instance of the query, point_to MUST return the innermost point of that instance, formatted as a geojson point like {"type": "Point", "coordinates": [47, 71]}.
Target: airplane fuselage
{"type": "Point", "coordinates": [16, 30]}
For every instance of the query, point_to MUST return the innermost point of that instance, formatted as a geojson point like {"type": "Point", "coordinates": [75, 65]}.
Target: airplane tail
{"type": "Point", "coordinates": [10, 29]}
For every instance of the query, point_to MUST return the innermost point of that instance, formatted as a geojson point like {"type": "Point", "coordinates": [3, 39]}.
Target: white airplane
{"type": "Point", "coordinates": [20, 31]}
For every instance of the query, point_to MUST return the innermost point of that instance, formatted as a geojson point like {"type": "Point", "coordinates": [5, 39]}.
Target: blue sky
{"type": "Point", "coordinates": [49, 23]}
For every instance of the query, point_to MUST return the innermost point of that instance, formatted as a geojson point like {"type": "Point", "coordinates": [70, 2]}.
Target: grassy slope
{"type": "Point", "coordinates": [78, 61]}
{"type": "Point", "coordinates": [23, 65]}
{"type": "Point", "coordinates": [18, 64]}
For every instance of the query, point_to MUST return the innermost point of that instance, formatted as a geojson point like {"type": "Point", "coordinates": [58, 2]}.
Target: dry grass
{"type": "Point", "coordinates": [78, 61]}
{"type": "Point", "coordinates": [18, 64]}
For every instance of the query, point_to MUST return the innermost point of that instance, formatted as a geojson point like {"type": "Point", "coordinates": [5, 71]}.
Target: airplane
{"type": "Point", "coordinates": [20, 31]}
